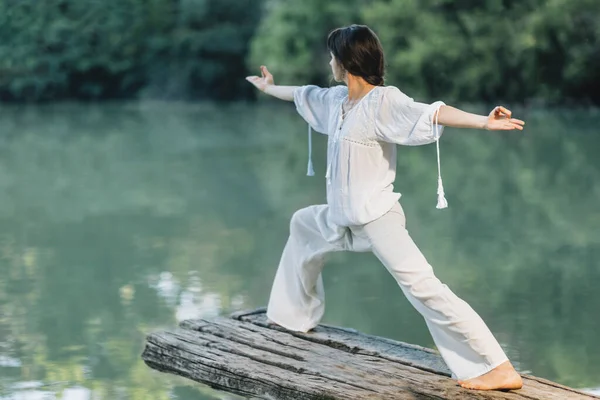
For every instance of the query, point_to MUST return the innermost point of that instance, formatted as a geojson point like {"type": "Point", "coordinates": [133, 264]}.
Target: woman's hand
{"type": "Point", "coordinates": [263, 81]}
{"type": "Point", "coordinates": [500, 120]}
{"type": "Point", "coordinates": [265, 84]}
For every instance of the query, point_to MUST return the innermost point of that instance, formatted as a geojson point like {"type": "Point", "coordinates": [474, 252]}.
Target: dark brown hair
{"type": "Point", "coordinates": [358, 50]}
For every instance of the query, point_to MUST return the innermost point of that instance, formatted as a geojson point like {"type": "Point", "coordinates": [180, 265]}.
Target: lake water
{"type": "Point", "coordinates": [122, 219]}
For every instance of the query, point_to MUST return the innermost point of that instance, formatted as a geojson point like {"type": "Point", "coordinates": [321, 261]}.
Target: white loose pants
{"type": "Point", "coordinates": [297, 299]}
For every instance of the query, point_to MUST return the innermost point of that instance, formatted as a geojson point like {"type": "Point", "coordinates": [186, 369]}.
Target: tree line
{"type": "Point", "coordinates": [460, 50]}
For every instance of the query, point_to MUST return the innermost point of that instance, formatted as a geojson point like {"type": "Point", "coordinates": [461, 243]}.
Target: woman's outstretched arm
{"type": "Point", "coordinates": [266, 84]}
{"type": "Point", "coordinates": [499, 119]}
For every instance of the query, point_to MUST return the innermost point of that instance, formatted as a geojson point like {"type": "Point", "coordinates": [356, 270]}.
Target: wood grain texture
{"type": "Point", "coordinates": [246, 356]}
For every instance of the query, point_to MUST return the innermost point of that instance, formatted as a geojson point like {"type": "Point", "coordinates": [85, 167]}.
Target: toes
{"type": "Point", "coordinates": [471, 385]}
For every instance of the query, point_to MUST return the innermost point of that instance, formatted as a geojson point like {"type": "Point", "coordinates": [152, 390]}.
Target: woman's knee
{"type": "Point", "coordinates": [298, 219]}
{"type": "Point", "coordinates": [397, 212]}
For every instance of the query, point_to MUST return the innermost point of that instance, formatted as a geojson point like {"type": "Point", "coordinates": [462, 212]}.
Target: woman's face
{"type": "Point", "coordinates": [336, 69]}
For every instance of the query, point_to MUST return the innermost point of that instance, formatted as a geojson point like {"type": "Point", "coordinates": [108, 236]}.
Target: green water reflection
{"type": "Point", "coordinates": [118, 220]}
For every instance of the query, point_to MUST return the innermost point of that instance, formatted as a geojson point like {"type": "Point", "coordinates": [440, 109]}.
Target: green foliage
{"type": "Point", "coordinates": [491, 50]}
{"type": "Point", "coordinates": [114, 48]}
{"type": "Point", "coordinates": [456, 50]}
{"type": "Point", "coordinates": [292, 35]}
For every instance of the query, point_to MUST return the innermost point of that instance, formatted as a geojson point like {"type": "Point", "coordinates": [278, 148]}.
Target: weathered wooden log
{"type": "Point", "coordinates": [245, 355]}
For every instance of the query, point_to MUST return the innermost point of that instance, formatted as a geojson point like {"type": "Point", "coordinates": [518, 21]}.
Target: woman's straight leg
{"type": "Point", "coordinates": [297, 300]}
{"type": "Point", "coordinates": [463, 339]}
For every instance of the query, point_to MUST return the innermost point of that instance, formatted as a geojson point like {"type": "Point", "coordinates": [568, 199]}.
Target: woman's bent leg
{"type": "Point", "coordinates": [297, 300]}
{"type": "Point", "coordinates": [463, 339]}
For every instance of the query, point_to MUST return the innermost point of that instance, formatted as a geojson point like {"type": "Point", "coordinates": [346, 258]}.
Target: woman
{"type": "Point", "coordinates": [364, 121]}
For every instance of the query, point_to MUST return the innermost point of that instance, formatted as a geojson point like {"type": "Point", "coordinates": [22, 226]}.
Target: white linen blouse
{"type": "Point", "coordinates": [361, 151]}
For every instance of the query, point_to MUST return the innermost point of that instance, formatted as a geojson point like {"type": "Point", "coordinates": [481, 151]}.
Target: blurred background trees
{"type": "Point", "coordinates": [459, 50]}
{"type": "Point", "coordinates": [90, 49]}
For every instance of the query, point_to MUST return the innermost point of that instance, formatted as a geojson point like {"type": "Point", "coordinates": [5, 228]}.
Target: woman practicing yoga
{"type": "Point", "coordinates": [365, 120]}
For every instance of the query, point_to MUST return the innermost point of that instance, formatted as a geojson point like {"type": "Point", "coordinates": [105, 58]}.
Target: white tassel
{"type": "Point", "coordinates": [310, 171]}
{"type": "Point", "coordinates": [441, 202]}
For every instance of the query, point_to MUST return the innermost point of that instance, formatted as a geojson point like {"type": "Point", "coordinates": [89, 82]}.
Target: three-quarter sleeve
{"type": "Point", "coordinates": [315, 105]}
{"type": "Point", "coordinates": [402, 120]}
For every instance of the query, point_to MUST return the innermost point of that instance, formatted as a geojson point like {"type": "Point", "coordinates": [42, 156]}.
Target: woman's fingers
{"type": "Point", "coordinates": [511, 126]}
{"type": "Point", "coordinates": [500, 111]}
{"type": "Point", "coordinates": [255, 80]}
{"type": "Point", "coordinates": [506, 125]}
{"type": "Point", "coordinates": [265, 76]}
{"type": "Point", "coordinates": [252, 79]}
{"type": "Point", "coordinates": [505, 111]}
{"type": "Point", "coordinates": [499, 119]}
{"type": "Point", "coordinates": [514, 123]}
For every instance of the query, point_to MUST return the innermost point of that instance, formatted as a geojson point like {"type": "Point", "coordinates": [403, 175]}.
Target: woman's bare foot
{"type": "Point", "coordinates": [503, 377]}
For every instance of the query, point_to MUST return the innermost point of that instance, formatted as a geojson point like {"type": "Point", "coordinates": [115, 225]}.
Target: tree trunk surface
{"type": "Point", "coordinates": [247, 356]}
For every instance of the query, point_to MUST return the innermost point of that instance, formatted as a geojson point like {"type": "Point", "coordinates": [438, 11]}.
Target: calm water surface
{"type": "Point", "coordinates": [119, 220]}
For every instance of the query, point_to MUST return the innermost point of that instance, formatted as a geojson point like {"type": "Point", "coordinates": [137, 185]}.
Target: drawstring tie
{"type": "Point", "coordinates": [310, 171]}
{"type": "Point", "coordinates": [442, 202]}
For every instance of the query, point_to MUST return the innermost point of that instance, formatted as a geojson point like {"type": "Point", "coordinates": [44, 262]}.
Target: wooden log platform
{"type": "Point", "coordinates": [246, 356]}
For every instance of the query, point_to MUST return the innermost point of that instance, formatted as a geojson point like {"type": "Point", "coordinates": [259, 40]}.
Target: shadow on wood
{"type": "Point", "coordinates": [246, 356]}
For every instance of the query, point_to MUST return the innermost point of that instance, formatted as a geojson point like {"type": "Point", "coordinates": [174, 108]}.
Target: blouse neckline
{"type": "Point", "coordinates": [344, 117]}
